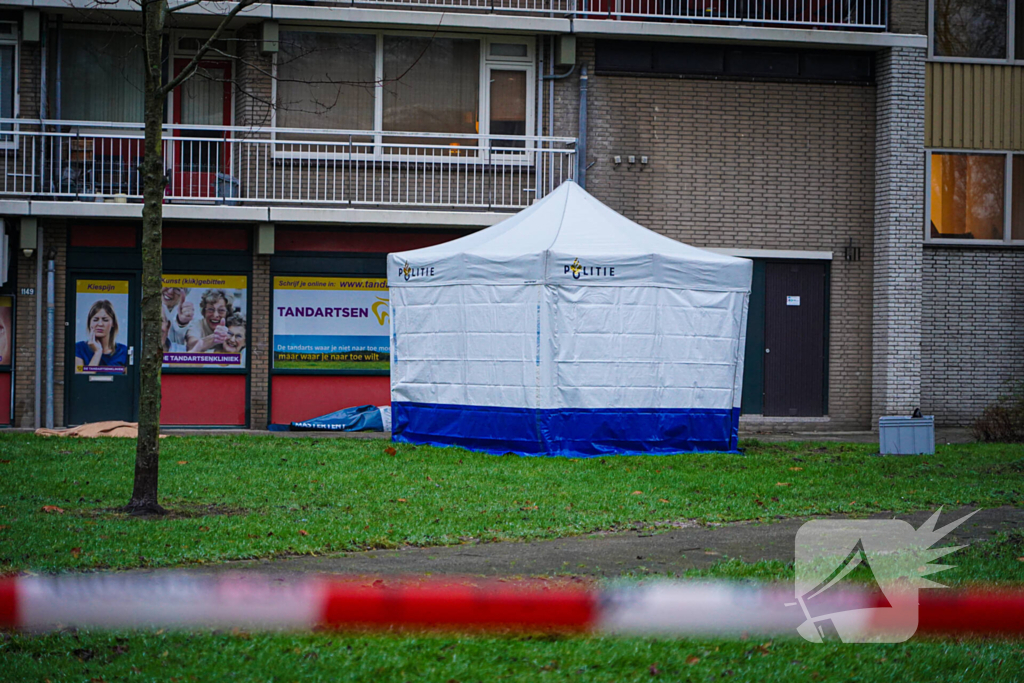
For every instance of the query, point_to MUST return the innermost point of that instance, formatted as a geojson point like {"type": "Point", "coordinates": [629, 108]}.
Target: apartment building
{"type": "Point", "coordinates": [862, 152]}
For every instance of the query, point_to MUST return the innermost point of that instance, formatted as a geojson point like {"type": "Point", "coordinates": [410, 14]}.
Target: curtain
{"type": "Point", "coordinates": [967, 196]}
{"type": "Point", "coordinates": [326, 80]}
{"type": "Point", "coordinates": [102, 76]}
{"type": "Point", "coordinates": [431, 85]}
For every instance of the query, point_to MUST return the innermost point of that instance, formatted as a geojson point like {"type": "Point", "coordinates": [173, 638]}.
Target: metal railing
{"type": "Point", "coordinates": [860, 14]}
{"type": "Point", "coordinates": [101, 161]}
{"type": "Point", "coordinates": [828, 14]}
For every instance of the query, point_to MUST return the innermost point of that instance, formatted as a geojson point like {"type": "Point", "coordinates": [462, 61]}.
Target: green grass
{"type": "Point", "coordinates": [345, 495]}
{"type": "Point", "coordinates": [327, 657]}
{"type": "Point", "coordinates": [999, 561]}
{"type": "Point", "coordinates": [245, 496]}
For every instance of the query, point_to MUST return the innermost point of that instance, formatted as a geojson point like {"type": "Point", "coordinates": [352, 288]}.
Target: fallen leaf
{"type": "Point", "coordinates": [692, 659]}
{"type": "Point", "coordinates": [637, 493]}
{"type": "Point", "coordinates": [5, 462]}
{"type": "Point", "coordinates": [402, 500]}
{"type": "Point", "coordinates": [183, 462]}
{"type": "Point", "coordinates": [1020, 559]}
{"type": "Point", "coordinates": [75, 552]}
{"type": "Point", "coordinates": [782, 483]}
{"type": "Point", "coordinates": [53, 508]}
{"type": "Point", "coordinates": [5, 526]}
{"type": "Point", "coordinates": [662, 500]}
{"type": "Point", "coordinates": [204, 528]}
{"type": "Point", "coordinates": [303, 532]}
{"type": "Point", "coordinates": [390, 451]}
{"type": "Point", "coordinates": [796, 469]}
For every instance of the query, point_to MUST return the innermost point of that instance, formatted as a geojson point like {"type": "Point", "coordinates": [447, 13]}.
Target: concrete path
{"type": "Point", "coordinates": [608, 554]}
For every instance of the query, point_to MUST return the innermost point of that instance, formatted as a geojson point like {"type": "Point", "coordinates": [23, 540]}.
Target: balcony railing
{"type": "Point", "coordinates": [827, 14]}
{"type": "Point", "coordinates": [93, 161]}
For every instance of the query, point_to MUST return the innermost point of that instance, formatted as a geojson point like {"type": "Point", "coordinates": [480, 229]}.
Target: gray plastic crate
{"type": "Point", "coordinates": [906, 435]}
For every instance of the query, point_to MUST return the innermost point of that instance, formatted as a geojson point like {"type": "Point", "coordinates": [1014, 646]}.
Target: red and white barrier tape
{"type": "Point", "coordinates": [665, 608]}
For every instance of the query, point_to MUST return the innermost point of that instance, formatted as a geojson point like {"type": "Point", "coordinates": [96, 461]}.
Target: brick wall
{"type": "Point", "coordinates": [55, 238]}
{"type": "Point", "coordinates": [259, 345]}
{"type": "Point", "coordinates": [899, 221]}
{"type": "Point", "coordinates": [754, 165]}
{"type": "Point", "coordinates": [908, 16]}
{"type": "Point", "coordinates": [972, 340]}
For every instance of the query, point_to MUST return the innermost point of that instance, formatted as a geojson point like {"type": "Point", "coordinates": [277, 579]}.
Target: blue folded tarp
{"type": "Point", "coordinates": [358, 419]}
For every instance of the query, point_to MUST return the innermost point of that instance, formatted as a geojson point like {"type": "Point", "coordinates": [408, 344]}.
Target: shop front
{"type": "Point", "coordinates": [205, 303]}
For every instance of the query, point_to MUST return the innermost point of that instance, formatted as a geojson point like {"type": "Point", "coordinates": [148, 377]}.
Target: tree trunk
{"type": "Point", "coordinates": [147, 452]}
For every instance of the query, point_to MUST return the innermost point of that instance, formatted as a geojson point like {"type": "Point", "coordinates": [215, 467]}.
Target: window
{"type": "Point", "coordinates": [403, 83]}
{"type": "Point", "coordinates": [978, 29]}
{"type": "Point", "coordinates": [8, 78]}
{"type": "Point", "coordinates": [431, 85]}
{"type": "Point", "coordinates": [326, 80]}
{"type": "Point", "coordinates": [968, 198]}
{"type": "Point", "coordinates": [103, 76]}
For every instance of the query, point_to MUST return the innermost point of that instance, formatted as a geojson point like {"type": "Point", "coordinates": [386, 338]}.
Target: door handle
{"type": "Point", "coordinates": [767, 350]}
{"type": "Point", "coordinates": [131, 355]}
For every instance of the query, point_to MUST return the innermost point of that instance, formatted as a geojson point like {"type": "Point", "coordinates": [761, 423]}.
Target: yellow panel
{"type": "Point", "coordinates": [1007, 127]}
{"type": "Point", "coordinates": [958, 106]}
{"type": "Point", "coordinates": [947, 105]}
{"type": "Point", "coordinates": [966, 100]}
{"type": "Point", "coordinates": [987, 102]}
{"type": "Point", "coordinates": [997, 108]}
{"type": "Point", "coordinates": [974, 106]}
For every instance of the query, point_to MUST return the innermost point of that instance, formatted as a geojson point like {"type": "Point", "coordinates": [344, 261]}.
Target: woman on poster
{"type": "Point", "coordinates": [234, 343]}
{"type": "Point", "coordinates": [100, 348]}
{"type": "Point", "coordinates": [209, 329]}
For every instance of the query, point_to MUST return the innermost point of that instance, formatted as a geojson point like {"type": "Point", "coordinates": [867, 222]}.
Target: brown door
{"type": "Point", "coordinates": [794, 339]}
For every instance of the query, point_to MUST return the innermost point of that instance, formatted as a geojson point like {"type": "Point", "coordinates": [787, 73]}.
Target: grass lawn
{"type": "Point", "coordinates": [325, 656]}
{"type": "Point", "coordinates": [237, 497]}
{"type": "Point", "coordinates": [249, 496]}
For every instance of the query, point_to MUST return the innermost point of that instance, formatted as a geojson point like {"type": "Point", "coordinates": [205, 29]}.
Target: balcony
{"type": "Point", "coordinates": [870, 15]}
{"type": "Point", "coordinates": [233, 166]}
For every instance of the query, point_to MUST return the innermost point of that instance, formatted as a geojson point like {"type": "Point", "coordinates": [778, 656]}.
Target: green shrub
{"type": "Point", "coordinates": [1003, 420]}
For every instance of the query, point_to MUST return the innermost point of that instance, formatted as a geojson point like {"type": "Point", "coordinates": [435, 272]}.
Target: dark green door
{"type": "Point", "coordinates": [102, 338]}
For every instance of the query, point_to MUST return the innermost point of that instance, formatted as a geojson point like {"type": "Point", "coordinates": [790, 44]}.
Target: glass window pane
{"type": "Point", "coordinates": [431, 85]}
{"type": "Point", "coordinates": [6, 86]}
{"type": "Point", "coordinates": [967, 196]}
{"type": "Point", "coordinates": [508, 106]}
{"type": "Point", "coordinates": [1017, 199]}
{"type": "Point", "coordinates": [1018, 30]}
{"type": "Point", "coordinates": [326, 80]}
{"type": "Point", "coordinates": [102, 76]}
{"type": "Point", "coordinates": [970, 28]}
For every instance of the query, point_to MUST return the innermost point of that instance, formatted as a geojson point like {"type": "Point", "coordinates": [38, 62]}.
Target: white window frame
{"type": "Point", "coordinates": [1010, 40]}
{"type": "Point", "coordinates": [15, 41]}
{"type": "Point", "coordinates": [1007, 199]}
{"type": "Point", "coordinates": [526, 64]}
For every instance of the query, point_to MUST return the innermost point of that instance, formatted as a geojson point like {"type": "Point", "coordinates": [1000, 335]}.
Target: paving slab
{"type": "Point", "coordinates": [610, 554]}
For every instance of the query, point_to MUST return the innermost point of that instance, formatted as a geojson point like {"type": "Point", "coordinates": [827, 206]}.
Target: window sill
{"type": "Point", "coordinates": [974, 244]}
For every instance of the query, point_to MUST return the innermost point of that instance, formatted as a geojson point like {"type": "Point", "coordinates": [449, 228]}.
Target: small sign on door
{"type": "Point", "coordinates": [792, 301]}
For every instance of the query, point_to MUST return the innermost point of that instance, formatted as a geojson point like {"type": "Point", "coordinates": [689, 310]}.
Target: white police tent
{"type": "Point", "coordinates": [567, 329]}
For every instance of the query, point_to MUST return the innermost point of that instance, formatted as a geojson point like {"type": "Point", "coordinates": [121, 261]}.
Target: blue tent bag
{"type": "Point", "coordinates": [358, 419]}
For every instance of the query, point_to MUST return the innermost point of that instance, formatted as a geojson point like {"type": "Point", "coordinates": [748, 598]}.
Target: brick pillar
{"type": "Point", "coordinates": [899, 232]}
{"type": "Point", "coordinates": [55, 239]}
{"type": "Point", "coordinates": [259, 346]}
